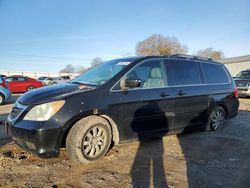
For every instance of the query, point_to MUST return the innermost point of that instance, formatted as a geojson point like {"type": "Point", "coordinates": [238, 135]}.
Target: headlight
{"type": "Point", "coordinates": [45, 111]}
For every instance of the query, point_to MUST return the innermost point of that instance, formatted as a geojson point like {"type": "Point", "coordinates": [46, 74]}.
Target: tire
{"type": "Point", "coordinates": [29, 88]}
{"type": "Point", "coordinates": [216, 119]}
{"type": "Point", "coordinates": [83, 143]}
{"type": "Point", "coordinates": [1, 99]}
{"type": "Point", "coordinates": [53, 83]}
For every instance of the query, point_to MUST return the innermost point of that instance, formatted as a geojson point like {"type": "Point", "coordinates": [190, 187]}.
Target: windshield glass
{"type": "Point", "coordinates": [101, 73]}
{"type": "Point", "coordinates": [244, 74]}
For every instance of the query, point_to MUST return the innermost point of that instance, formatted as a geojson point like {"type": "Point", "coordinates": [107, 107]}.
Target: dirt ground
{"type": "Point", "coordinates": [196, 159]}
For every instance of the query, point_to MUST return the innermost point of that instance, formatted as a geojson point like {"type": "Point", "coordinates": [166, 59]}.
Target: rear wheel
{"type": "Point", "coordinates": [88, 140]}
{"type": "Point", "coordinates": [1, 99]}
{"type": "Point", "coordinates": [216, 119]}
{"type": "Point", "coordinates": [30, 88]}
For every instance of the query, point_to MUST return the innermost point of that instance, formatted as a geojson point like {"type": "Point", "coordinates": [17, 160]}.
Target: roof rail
{"type": "Point", "coordinates": [191, 57]}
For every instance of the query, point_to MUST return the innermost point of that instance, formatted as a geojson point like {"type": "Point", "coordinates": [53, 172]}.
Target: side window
{"type": "Point", "coordinates": [150, 73]}
{"type": "Point", "coordinates": [20, 79]}
{"type": "Point", "coordinates": [184, 73]}
{"type": "Point", "coordinates": [215, 73]}
{"type": "Point", "coordinates": [10, 79]}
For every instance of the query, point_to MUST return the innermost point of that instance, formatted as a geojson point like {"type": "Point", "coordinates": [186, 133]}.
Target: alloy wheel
{"type": "Point", "coordinates": [94, 142]}
{"type": "Point", "coordinates": [217, 119]}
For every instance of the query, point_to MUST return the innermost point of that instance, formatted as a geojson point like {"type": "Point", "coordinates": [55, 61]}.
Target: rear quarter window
{"type": "Point", "coordinates": [215, 74]}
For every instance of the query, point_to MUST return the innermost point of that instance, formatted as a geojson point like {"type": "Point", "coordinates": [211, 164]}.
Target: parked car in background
{"type": "Point", "coordinates": [57, 80]}
{"type": "Point", "coordinates": [242, 81]}
{"type": "Point", "coordinates": [5, 93]}
{"type": "Point", "coordinates": [19, 84]}
{"type": "Point", "coordinates": [121, 100]}
{"type": "Point", "coordinates": [42, 78]}
{"type": "Point", "coordinates": [66, 78]}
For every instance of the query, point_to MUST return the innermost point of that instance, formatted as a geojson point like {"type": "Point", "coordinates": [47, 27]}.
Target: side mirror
{"type": "Point", "coordinates": [125, 84]}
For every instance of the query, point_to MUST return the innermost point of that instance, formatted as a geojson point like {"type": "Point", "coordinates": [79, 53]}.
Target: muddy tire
{"type": "Point", "coordinates": [88, 140]}
{"type": "Point", "coordinates": [216, 119]}
{"type": "Point", "coordinates": [1, 99]}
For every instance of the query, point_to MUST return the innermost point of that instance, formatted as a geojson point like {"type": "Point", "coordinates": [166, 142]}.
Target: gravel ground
{"type": "Point", "coordinates": [197, 159]}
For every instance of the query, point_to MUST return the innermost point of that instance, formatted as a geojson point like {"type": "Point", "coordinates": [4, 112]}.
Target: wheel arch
{"type": "Point", "coordinates": [113, 127]}
{"type": "Point", "coordinates": [224, 107]}
{"type": "Point", "coordinates": [4, 97]}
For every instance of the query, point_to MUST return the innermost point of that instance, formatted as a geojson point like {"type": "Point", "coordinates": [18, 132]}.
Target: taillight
{"type": "Point", "coordinates": [3, 84]}
{"type": "Point", "coordinates": [236, 93]}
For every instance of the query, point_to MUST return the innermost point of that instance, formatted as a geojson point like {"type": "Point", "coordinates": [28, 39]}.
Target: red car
{"type": "Point", "coordinates": [19, 84]}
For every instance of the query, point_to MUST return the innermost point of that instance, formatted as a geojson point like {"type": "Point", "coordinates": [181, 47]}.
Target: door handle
{"type": "Point", "coordinates": [163, 94]}
{"type": "Point", "coordinates": [181, 93]}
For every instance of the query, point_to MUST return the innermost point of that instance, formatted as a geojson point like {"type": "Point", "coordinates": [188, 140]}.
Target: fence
{"type": "Point", "coordinates": [36, 74]}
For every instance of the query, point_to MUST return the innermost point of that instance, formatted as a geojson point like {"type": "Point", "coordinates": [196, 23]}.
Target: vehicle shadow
{"type": "Point", "coordinates": [220, 158]}
{"type": "Point", "coordinates": [148, 168]}
{"type": "Point", "coordinates": [210, 159]}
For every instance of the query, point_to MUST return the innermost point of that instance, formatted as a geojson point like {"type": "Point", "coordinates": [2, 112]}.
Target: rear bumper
{"type": "Point", "coordinates": [35, 137]}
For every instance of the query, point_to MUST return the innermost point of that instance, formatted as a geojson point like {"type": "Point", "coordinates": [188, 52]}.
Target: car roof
{"type": "Point", "coordinates": [20, 76]}
{"type": "Point", "coordinates": [173, 57]}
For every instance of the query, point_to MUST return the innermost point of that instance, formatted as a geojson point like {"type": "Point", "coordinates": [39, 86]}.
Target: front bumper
{"type": "Point", "coordinates": [244, 92]}
{"type": "Point", "coordinates": [35, 137]}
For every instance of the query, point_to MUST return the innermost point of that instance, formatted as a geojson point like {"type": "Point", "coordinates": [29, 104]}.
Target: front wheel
{"type": "Point", "coordinates": [216, 118]}
{"type": "Point", "coordinates": [1, 99]}
{"type": "Point", "coordinates": [88, 140]}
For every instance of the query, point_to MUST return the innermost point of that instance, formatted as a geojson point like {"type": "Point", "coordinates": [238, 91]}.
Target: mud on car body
{"type": "Point", "coordinates": [121, 100]}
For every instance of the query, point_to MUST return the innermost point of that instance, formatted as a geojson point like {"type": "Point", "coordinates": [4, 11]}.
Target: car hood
{"type": "Point", "coordinates": [50, 93]}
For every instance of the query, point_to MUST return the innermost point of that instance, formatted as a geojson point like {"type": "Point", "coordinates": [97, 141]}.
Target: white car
{"type": "Point", "coordinates": [56, 80]}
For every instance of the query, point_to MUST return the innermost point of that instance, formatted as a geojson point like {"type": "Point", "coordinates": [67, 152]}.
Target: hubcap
{"type": "Point", "coordinates": [217, 120]}
{"type": "Point", "coordinates": [1, 99]}
{"type": "Point", "coordinates": [30, 88]}
{"type": "Point", "coordinates": [94, 142]}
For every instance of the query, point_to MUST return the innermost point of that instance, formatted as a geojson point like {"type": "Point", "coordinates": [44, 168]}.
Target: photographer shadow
{"type": "Point", "coordinates": [148, 166]}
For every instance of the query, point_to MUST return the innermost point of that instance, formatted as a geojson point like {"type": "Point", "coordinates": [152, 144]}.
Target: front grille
{"type": "Point", "coordinates": [242, 83]}
{"type": "Point", "coordinates": [16, 111]}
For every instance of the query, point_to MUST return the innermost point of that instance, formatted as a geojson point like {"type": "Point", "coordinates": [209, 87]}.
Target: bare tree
{"type": "Point", "coordinates": [158, 44]}
{"type": "Point", "coordinates": [96, 61]}
{"type": "Point", "coordinates": [68, 69]}
{"type": "Point", "coordinates": [82, 69]}
{"type": "Point", "coordinates": [210, 53]}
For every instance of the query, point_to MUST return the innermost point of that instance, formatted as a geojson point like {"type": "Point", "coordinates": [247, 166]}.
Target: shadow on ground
{"type": "Point", "coordinates": [212, 159]}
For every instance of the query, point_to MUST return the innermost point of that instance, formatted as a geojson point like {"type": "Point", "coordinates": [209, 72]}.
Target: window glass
{"type": "Point", "coordinates": [100, 74]}
{"type": "Point", "coordinates": [185, 73]}
{"type": "Point", "coordinates": [244, 74]}
{"type": "Point", "coordinates": [19, 79]}
{"type": "Point", "coordinates": [150, 73]}
{"type": "Point", "coordinates": [9, 79]}
{"type": "Point", "coordinates": [215, 73]}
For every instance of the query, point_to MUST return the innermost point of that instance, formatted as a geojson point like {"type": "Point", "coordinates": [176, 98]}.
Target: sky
{"type": "Point", "coordinates": [46, 35]}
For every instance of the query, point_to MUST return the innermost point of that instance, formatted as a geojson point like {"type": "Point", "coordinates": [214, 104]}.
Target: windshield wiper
{"type": "Point", "coordinates": [83, 83]}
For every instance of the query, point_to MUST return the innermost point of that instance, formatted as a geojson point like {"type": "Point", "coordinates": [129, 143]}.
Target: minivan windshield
{"type": "Point", "coordinates": [101, 73]}
{"type": "Point", "coordinates": [244, 74]}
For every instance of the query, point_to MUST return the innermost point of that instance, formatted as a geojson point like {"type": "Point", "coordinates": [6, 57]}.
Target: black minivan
{"type": "Point", "coordinates": [121, 100]}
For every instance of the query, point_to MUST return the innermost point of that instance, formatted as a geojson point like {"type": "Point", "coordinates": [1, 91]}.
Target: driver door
{"type": "Point", "coordinates": [145, 109]}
